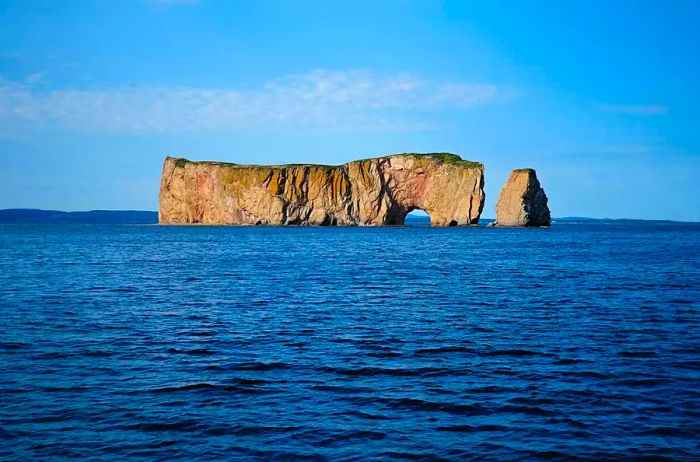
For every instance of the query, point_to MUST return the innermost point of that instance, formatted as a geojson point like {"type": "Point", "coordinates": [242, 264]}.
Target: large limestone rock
{"type": "Point", "coordinates": [522, 201]}
{"type": "Point", "coordinates": [380, 191]}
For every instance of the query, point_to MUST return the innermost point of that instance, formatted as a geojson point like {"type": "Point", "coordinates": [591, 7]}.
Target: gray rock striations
{"type": "Point", "coordinates": [522, 201]}
{"type": "Point", "coordinates": [379, 191]}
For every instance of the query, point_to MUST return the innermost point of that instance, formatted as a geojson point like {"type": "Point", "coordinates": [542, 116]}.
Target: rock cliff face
{"type": "Point", "coordinates": [522, 201]}
{"type": "Point", "coordinates": [380, 191]}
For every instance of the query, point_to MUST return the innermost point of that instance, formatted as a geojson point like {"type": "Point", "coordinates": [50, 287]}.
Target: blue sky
{"type": "Point", "coordinates": [601, 97]}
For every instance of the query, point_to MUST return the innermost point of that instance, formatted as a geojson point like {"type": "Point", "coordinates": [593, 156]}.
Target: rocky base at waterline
{"type": "Point", "coordinates": [378, 191]}
{"type": "Point", "coordinates": [522, 201]}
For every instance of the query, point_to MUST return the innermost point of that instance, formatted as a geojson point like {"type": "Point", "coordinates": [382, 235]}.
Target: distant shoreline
{"type": "Point", "coordinates": [148, 217]}
{"type": "Point", "coordinates": [38, 216]}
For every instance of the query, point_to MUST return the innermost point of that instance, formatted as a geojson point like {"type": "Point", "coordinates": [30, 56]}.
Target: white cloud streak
{"type": "Point", "coordinates": [318, 100]}
{"type": "Point", "coordinates": [634, 109]}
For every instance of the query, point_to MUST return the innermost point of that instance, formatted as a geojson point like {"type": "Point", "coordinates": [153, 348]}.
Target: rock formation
{"type": "Point", "coordinates": [522, 201]}
{"type": "Point", "coordinates": [379, 191]}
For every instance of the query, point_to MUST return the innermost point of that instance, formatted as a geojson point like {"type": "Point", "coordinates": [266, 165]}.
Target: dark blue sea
{"type": "Point", "coordinates": [579, 342]}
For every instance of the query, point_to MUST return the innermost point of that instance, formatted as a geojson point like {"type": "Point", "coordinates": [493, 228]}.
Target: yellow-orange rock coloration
{"type": "Point", "coordinates": [378, 191]}
{"type": "Point", "coordinates": [522, 201]}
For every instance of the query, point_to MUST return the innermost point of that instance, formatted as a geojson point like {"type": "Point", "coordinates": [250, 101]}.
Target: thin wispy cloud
{"type": "Point", "coordinates": [318, 100]}
{"type": "Point", "coordinates": [634, 109]}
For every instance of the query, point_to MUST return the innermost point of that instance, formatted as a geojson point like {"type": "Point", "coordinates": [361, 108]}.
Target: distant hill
{"type": "Point", "coordinates": [145, 217]}
{"type": "Point", "coordinates": [585, 220]}
{"type": "Point", "coordinates": [424, 220]}
{"type": "Point", "coordinates": [107, 217]}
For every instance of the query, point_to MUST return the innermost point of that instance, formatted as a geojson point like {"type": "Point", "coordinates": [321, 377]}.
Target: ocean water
{"type": "Point", "coordinates": [579, 342]}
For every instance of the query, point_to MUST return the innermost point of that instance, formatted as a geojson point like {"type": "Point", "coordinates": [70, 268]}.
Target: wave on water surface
{"type": "Point", "coordinates": [202, 343]}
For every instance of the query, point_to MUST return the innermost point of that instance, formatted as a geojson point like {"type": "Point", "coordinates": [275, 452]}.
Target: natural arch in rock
{"type": "Point", "coordinates": [371, 192]}
{"type": "Point", "coordinates": [417, 217]}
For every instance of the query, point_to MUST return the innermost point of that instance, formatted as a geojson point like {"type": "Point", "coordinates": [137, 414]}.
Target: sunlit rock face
{"type": "Point", "coordinates": [522, 201]}
{"type": "Point", "coordinates": [379, 191]}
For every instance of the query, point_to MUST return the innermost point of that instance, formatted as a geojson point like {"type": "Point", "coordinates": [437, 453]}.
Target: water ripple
{"type": "Point", "coordinates": [221, 343]}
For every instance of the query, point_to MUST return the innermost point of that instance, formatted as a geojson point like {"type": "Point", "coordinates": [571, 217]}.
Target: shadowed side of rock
{"type": "Point", "coordinates": [379, 191]}
{"type": "Point", "coordinates": [522, 201]}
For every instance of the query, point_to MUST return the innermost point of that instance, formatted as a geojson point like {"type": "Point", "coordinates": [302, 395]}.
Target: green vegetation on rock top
{"type": "Point", "coordinates": [444, 157]}
{"type": "Point", "coordinates": [180, 162]}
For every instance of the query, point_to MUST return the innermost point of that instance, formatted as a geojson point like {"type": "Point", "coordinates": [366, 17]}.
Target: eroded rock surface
{"type": "Point", "coordinates": [522, 201]}
{"type": "Point", "coordinates": [379, 191]}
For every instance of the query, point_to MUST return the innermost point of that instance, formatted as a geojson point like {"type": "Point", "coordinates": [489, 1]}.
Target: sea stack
{"type": "Point", "coordinates": [371, 192]}
{"type": "Point", "coordinates": [522, 201]}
